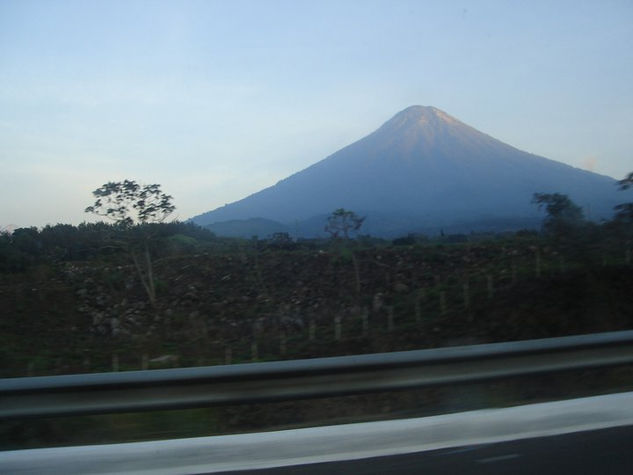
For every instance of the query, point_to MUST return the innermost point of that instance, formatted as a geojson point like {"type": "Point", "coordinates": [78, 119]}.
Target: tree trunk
{"type": "Point", "coordinates": [150, 276]}
{"type": "Point", "coordinates": [356, 273]}
{"type": "Point", "coordinates": [146, 276]}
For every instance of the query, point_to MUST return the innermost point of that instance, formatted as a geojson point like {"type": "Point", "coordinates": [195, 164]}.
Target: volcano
{"type": "Point", "coordinates": [421, 171]}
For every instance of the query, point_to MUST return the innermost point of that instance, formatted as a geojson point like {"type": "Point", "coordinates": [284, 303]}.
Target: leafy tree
{"type": "Point", "coordinates": [624, 211]}
{"type": "Point", "coordinates": [128, 204]}
{"type": "Point", "coordinates": [626, 182]}
{"type": "Point", "coordinates": [339, 225]}
{"type": "Point", "coordinates": [27, 240]}
{"type": "Point", "coordinates": [563, 215]}
{"type": "Point", "coordinates": [342, 222]}
{"type": "Point", "coordinates": [12, 259]}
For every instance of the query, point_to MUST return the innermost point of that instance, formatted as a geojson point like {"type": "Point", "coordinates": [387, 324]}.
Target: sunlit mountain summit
{"type": "Point", "coordinates": [421, 171]}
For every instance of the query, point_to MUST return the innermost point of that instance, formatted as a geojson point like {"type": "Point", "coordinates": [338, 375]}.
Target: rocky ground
{"type": "Point", "coordinates": [73, 317]}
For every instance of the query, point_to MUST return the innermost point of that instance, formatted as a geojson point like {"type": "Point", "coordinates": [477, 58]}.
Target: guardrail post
{"type": "Point", "coordinates": [466, 287]}
{"type": "Point", "coordinates": [144, 361]}
{"type": "Point", "coordinates": [115, 362]}
{"type": "Point", "coordinates": [311, 330]}
{"type": "Point", "coordinates": [228, 355]}
{"type": "Point", "coordinates": [254, 351]}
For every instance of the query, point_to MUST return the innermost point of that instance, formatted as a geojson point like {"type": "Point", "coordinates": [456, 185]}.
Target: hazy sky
{"type": "Point", "coordinates": [218, 99]}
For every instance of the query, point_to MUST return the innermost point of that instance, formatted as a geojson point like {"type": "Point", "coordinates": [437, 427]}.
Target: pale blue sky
{"type": "Point", "coordinates": [218, 99]}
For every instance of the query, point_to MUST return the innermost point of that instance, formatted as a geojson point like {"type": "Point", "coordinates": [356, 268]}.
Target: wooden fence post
{"type": "Point", "coordinates": [282, 343]}
{"type": "Point", "coordinates": [418, 310]}
{"type": "Point", "coordinates": [490, 286]}
{"type": "Point", "coordinates": [337, 328]}
{"type": "Point", "coordinates": [365, 321]}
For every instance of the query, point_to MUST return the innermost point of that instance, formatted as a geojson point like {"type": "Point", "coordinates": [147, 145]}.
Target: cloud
{"type": "Point", "coordinates": [589, 163]}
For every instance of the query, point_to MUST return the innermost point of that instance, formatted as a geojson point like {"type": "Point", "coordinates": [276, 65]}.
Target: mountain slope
{"type": "Point", "coordinates": [423, 168]}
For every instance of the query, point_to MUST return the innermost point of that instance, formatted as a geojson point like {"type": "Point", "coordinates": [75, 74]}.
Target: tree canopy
{"type": "Point", "coordinates": [342, 222]}
{"type": "Point", "coordinates": [562, 213]}
{"type": "Point", "coordinates": [624, 211]}
{"type": "Point", "coordinates": [626, 182]}
{"type": "Point", "coordinates": [127, 203]}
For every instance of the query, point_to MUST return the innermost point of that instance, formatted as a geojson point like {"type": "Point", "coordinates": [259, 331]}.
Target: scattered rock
{"type": "Point", "coordinates": [401, 288]}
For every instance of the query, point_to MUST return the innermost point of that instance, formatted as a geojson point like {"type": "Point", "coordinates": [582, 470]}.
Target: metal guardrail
{"type": "Point", "coordinates": [320, 377]}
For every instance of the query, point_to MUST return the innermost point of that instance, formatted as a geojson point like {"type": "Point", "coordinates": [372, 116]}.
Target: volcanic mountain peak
{"type": "Point", "coordinates": [427, 122]}
{"type": "Point", "coordinates": [419, 131]}
{"type": "Point", "coordinates": [421, 116]}
{"type": "Point", "coordinates": [422, 169]}
{"type": "Point", "coordinates": [424, 112]}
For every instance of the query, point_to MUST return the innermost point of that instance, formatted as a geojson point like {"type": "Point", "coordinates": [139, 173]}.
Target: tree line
{"type": "Point", "coordinates": [138, 215]}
